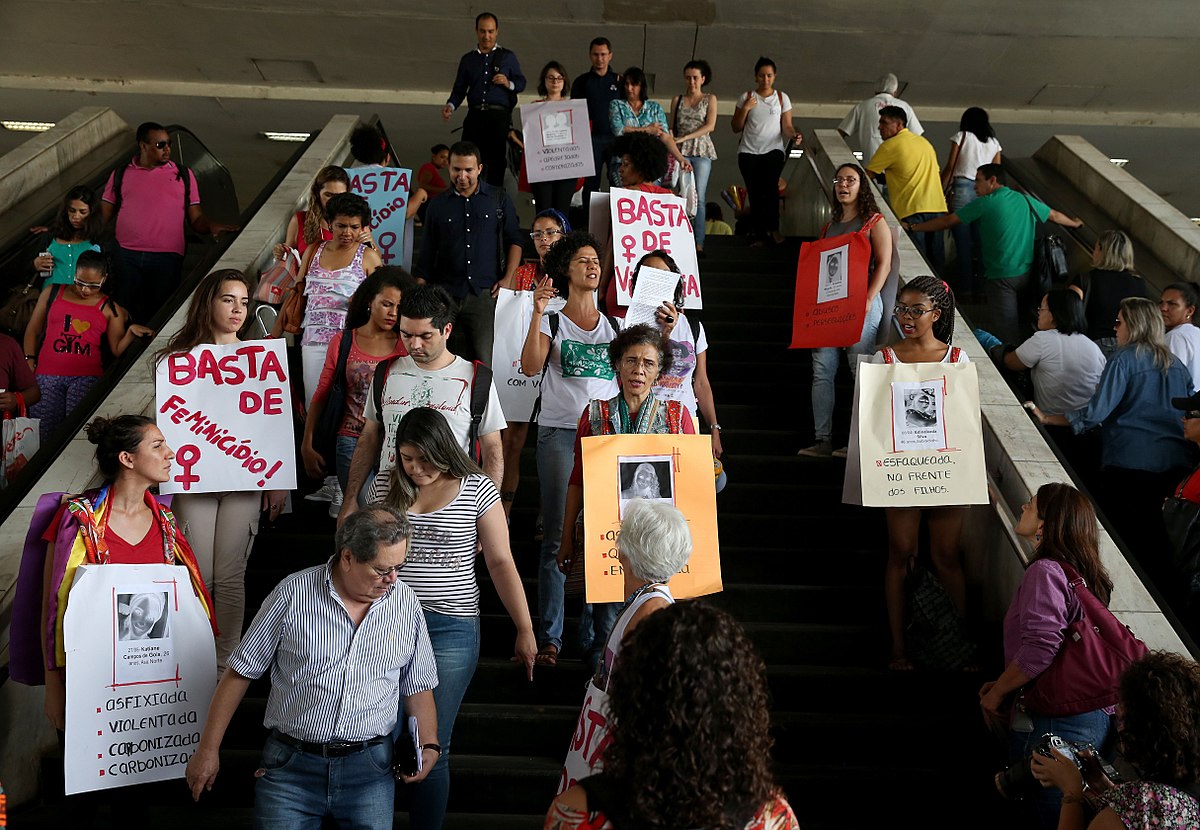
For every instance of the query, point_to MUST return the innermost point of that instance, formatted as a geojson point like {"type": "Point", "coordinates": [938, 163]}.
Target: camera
{"type": "Point", "coordinates": [1017, 781]}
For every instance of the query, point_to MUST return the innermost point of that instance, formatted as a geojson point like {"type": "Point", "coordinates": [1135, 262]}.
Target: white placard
{"type": "Point", "coordinates": [644, 222]}
{"type": "Point", "coordinates": [386, 191]}
{"type": "Point", "coordinates": [558, 140]}
{"type": "Point", "coordinates": [517, 393]}
{"type": "Point", "coordinates": [226, 411]}
{"type": "Point", "coordinates": [654, 286]}
{"type": "Point", "coordinates": [141, 669]}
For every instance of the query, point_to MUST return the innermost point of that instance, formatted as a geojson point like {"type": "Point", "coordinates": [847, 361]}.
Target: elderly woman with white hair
{"type": "Point", "coordinates": [654, 545]}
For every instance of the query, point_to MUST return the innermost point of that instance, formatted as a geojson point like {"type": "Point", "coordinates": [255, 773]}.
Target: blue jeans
{"type": "Point", "coordinates": [455, 642]}
{"type": "Point", "coordinates": [929, 243]}
{"type": "Point", "coordinates": [701, 168]}
{"type": "Point", "coordinates": [298, 789]}
{"type": "Point", "coordinates": [825, 366]}
{"type": "Point", "coordinates": [1090, 727]}
{"type": "Point", "coordinates": [966, 236]}
{"type": "Point", "coordinates": [343, 451]}
{"type": "Point", "coordinates": [595, 624]}
{"type": "Point", "coordinates": [555, 457]}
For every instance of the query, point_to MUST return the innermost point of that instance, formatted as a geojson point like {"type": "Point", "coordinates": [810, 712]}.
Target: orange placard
{"type": "Point", "coordinates": [673, 468]}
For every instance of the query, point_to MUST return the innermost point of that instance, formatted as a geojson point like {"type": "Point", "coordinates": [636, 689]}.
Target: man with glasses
{"type": "Point", "coordinates": [345, 643]}
{"type": "Point", "coordinates": [472, 242]}
{"type": "Point", "coordinates": [599, 87]}
{"type": "Point", "coordinates": [154, 202]}
{"type": "Point", "coordinates": [430, 375]}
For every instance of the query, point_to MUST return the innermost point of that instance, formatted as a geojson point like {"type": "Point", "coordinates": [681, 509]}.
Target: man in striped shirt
{"type": "Point", "coordinates": [343, 642]}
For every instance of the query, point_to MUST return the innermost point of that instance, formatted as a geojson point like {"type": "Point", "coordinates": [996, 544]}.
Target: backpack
{"type": "Point", "coordinates": [183, 173]}
{"type": "Point", "coordinates": [553, 321]}
{"type": "Point", "coordinates": [481, 387]}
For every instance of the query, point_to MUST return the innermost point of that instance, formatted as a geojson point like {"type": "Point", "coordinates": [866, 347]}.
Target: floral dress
{"type": "Point", "coordinates": [1146, 805]}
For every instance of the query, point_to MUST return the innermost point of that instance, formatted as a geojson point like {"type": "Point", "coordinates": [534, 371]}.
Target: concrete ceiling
{"type": "Point", "coordinates": [1119, 73]}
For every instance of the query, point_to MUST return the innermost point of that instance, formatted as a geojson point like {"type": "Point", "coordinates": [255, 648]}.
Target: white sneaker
{"type": "Point", "coordinates": [328, 491]}
{"type": "Point", "coordinates": [335, 505]}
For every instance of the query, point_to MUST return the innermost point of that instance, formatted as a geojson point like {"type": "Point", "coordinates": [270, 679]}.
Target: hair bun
{"type": "Point", "coordinates": [97, 428]}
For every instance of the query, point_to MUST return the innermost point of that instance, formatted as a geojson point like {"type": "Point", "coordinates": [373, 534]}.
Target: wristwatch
{"type": "Point", "coordinates": [435, 747]}
{"type": "Point", "coordinates": [717, 427]}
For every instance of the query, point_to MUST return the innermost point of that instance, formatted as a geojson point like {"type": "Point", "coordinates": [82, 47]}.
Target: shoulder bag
{"type": "Point", "coordinates": [1182, 520]}
{"type": "Point", "coordinates": [325, 434]}
{"type": "Point", "coordinates": [1049, 267]}
{"type": "Point", "coordinates": [1085, 674]}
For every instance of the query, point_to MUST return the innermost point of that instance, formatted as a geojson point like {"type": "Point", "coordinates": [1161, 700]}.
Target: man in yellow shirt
{"type": "Point", "coordinates": [913, 179]}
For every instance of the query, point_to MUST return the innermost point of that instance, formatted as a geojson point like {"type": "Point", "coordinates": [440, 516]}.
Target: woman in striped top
{"type": "Point", "coordinates": [454, 508]}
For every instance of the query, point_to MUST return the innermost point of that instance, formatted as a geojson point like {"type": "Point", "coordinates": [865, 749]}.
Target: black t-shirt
{"type": "Point", "coordinates": [1102, 295]}
{"type": "Point", "coordinates": [599, 90]}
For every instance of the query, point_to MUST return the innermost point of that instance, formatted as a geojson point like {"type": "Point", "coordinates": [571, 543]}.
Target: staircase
{"type": "Point", "coordinates": [855, 744]}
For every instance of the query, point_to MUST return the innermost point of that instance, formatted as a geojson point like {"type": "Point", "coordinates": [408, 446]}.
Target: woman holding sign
{"type": "Point", "coordinates": [221, 526]}
{"type": "Point", "coordinates": [854, 211]}
{"type": "Point", "coordinates": [569, 349]}
{"type": "Point", "coordinates": [121, 523]}
{"type": "Point", "coordinates": [553, 85]}
{"type": "Point", "coordinates": [454, 509]}
{"type": "Point", "coordinates": [925, 312]}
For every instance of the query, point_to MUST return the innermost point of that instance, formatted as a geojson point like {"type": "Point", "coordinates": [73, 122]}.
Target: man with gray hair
{"type": "Point", "coordinates": [343, 642]}
{"type": "Point", "coordinates": [863, 121]}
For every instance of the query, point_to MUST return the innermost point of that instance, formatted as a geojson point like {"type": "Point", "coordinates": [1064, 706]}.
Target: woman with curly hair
{"type": "Point", "coordinates": [635, 114]}
{"type": "Point", "coordinates": [1061, 524]}
{"type": "Point", "coordinates": [1159, 733]}
{"type": "Point", "coordinates": [854, 211]}
{"type": "Point", "coordinates": [691, 734]}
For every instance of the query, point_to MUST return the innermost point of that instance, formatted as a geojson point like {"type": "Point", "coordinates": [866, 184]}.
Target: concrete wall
{"type": "Point", "coordinates": [25, 734]}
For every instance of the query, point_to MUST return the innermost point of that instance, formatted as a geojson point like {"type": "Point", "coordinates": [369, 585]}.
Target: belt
{"type": "Point", "coordinates": [482, 107]}
{"type": "Point", "coordinates": [332, 749]}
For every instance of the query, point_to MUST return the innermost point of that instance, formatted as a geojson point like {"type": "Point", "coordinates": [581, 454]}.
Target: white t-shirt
{"type": "Point", "coordinates": [448, 390]}
{"type": "Point", "coordinates": [440, 565]}
{"type": "Point", "coordinates": [579, 371]}
{"type": "Point", "coordinates": [1184, 343]}
{"type": "Point", "coordinates": [1066, 369]}
{"type": "Point", "coordinates": [973, 154]}
{"type": "Point", "coordinates": [862, 122]}
{"type": "Point", "coordinates": [762, 132]}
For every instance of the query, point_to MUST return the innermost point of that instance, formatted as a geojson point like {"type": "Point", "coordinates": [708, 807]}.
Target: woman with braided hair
{"type": "Point", "coordinates": [925, 314]}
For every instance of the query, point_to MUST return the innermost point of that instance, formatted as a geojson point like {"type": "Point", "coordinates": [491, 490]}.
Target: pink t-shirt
{"type": "Point", "coordinates": [151, 216]}
{"type": "Point", "coordinates": [360, 368]}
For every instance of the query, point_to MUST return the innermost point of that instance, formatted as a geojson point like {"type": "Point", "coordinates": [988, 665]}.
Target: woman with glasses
{"type": "Point", "coordinates": [70, 322]}
{"type": "Point", "coordinates": [569, 351]}
{"type": "Point", "coordinates": [1143, 452]}
{"type": "Point", "coordinates": [554, 85]}
{"type": "Point", "coordinates": [454, 510]}
{"type": "Point", "coordinates": [925, 314]}
{"type": "Point", "coordinates": [854, 211]}
{"type": "Point", "coordinates": [1111, 280]}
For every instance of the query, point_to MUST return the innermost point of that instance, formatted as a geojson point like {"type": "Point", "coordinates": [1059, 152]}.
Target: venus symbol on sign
{"type": "Point", "coordinates": [187, 457]}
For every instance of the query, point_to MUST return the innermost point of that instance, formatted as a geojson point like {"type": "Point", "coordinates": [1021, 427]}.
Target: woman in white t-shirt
{"type": "Point", "coordinates": [925, 312]}
{"type": "Point", "coordinates": [570, 352]}
{"type": "Point", "coordinates": [1178, 306]}
{"type": "Point", "coordinates": [763, 116]}
{"type": "Point", "coordinates": [454, 509]}
{"type": "Point", "coordinates": [973, 145]}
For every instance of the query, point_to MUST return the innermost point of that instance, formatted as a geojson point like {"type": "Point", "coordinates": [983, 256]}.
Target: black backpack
{"type": "Point", "coordinates": [481, 387]}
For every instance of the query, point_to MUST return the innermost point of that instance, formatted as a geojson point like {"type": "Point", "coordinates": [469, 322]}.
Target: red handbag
{"type": "Point", "coordinates": [1086, 672]}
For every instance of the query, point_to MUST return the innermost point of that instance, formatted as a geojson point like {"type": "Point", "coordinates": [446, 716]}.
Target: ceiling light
{"type": "Point", "coordinates": [273, 136]}
{"type": "Point", "coordinates": [796, 154]}
{"type": "Point", "coordinates": [1196, 220]}
{"type": "Point", "coordinates": [1120, 162]}
{"type": "Point", "coordinates": [27, 126]}
{"type": "Point", "coordinates": [858, 154]}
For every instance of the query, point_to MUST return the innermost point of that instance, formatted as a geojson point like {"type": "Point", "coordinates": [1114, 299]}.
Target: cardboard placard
{"type": "Point", "coordinates": [386, 190]}
{"type": "Point", "coordinates": [142, 668]}
{"type": "Point", "coordinates": [831, 291]}
{"type": "Point", "coordinates": [558, 140]}
{"type": "Point", "coordinates": [227, 413]}
{"type": "Point", "coordinates": [919, 435]}
{"type": "Point", "coordinates": [671, 468]}
{"type": "Point", "coordinates": [644, 222]}
{"type": "Point", "coordinates": [517, 393]}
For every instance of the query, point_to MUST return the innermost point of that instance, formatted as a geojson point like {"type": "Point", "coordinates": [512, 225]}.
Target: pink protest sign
{"type": "Point", "coordinates": [644, 222]}
{"type": "Point", "coordinates": [386, 191]}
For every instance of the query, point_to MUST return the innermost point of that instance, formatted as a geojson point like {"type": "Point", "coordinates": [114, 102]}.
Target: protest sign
{"type": "Point", "coordinates": [644, 222]}
{"type": "Point", "coordinates": [386, 191]}
{"type": "Point", "coordinates": [677, 469]}
{"type": "Point", "coordinates": [831, 291]}
{"type": "Point", "coordinates": [227, 413]}
{"type": "Point", "coordinates": [141, 669]}
{"type": "Point", "coordinates": [517, 393]}
{"type": "Point", "coordinates": [558, 140]}
{"type": "Point", "coordinates": [916, 436]}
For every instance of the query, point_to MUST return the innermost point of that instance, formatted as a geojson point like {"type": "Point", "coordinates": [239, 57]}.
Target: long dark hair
{"type": "Point", "coordinates": [427, 430]}
{"type": "Point", "coordinates": [866, 198]}
{"type": "Point", "coordinates": [691, 736]}
{"type": "Point", "coordinates": [1067, 310]}
{"type": "Point", "coordinates": [1070, 533]}
{"type": "Point", "coordinates": [93, 226]}
{"type": "Point", "coordinates": [975, 121]}
{"type": "Point", "coordinates": [942, 297]}
{"type": "Point", "coordinates": [1160, 718]}
{"type": "Point", "coordinates": [197, 327]}
{"type": "Point", "coordinates": [387, 276]}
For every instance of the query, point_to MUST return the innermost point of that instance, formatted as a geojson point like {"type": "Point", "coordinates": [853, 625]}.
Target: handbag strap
{"type": "Point", "coordinates": [339, 373]}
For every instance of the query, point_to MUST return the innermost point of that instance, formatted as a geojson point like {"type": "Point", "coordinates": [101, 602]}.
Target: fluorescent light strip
{"type": "Point", "coordinates": [858, 154]}
{"type": "Point", "coordinates": [796, 154]}
{"type": "Point", "coordinates": [274, 136]}
{"type": "Point", "coordinates": [1120, 162]}
{"type": "Point", "coordinates": [27, 126]}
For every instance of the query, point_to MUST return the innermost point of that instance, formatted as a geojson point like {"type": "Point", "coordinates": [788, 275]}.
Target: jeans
{"type": "Point", "coordinates": [298, 789]}
{"type": "Point", "coordinates": [343, 451]}
{"type": "Point", "coordinates": [1090, 727]}
{"type": "Point", "coordinates": [966, 236]}
{"type": "Point", "coordinates": [455, 642]}
{"type": "Point", "coordinates": [555, 458]}
{"type": "Point", "coordinates": [1002, 317]}
{"type": "Point", "coordinates": [147, 279]}
{"type": "Point", "coordinates": [702, 169]}
{"type": "Point", "coordinates": [595, 624]}
{"type": "Point", "coordinates": [929, 243]}
{"type": "Point", "coordinates": [761, 174]}
{"type": "Point", "coordinates": [825, 366]}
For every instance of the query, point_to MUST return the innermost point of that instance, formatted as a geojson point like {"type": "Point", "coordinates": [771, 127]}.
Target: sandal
{"type": "Point", "coordinates": [547, 655]}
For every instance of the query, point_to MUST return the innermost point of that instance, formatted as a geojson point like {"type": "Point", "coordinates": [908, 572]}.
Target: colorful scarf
{"type": "Point", "coordinates": [655, 417]}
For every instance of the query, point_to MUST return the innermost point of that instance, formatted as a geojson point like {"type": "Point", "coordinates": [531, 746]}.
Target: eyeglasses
{"type": "Point", "coordinates": [1191, 415]}
{"type": "Point", "coordinates": [1118, 322]}
{"type": "Point", "coordinates": [544, 234]}
{"type": "Point", "coordinates": [384, 573]}
{"type": "Point", "coordinates": [555, 78]}
{"type": "Point", "coordinates": [846, 180]}
{"type": "Point", "coordinates": [159, 145]}
{"type": "Point", "coordinates": [95, 286]}
{"type": "Point", "coordinates": [634, 362]}
{"type": "Point", "coordinates": [911, 311]}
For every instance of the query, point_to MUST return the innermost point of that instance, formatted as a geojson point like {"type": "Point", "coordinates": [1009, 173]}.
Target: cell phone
{"type": "Point", "coordinates": [44, 253]}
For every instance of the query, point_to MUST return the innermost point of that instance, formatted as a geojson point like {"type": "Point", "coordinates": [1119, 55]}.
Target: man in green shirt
{"type": "Point", "coordinates": [1007, 221]}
